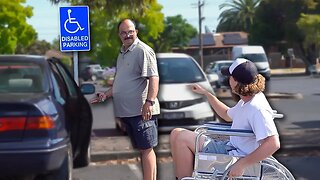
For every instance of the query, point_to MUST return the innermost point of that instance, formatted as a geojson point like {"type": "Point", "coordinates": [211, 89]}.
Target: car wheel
{"type": "Point", "coordinates": [65, 170]}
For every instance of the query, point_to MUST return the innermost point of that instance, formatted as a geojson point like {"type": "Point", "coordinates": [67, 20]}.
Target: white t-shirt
{"type": "Point", "coordinates": [255, 115]}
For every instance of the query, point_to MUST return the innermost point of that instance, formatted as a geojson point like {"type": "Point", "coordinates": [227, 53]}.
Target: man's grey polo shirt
{"type": "Point", "coordinates": [130, 85]}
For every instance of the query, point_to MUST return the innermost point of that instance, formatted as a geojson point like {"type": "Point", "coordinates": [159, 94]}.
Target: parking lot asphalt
{"type": "Point", "coordinates": [105, 148]}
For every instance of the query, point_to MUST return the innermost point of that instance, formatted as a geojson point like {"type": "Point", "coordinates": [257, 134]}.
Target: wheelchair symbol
{"type": "Point", "coordinates": [68, 24]}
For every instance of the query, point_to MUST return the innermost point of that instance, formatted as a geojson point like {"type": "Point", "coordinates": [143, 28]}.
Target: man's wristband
{"type": "Point", "coordinates": [151, 102]}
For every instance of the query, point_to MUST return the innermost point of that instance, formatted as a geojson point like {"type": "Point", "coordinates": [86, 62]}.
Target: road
{"type": "Point", "coordinates": [301, 114]}
{"type": "Point", "coordinates": [302, 167]}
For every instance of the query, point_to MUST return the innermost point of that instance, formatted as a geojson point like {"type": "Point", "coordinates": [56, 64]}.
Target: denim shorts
{"type": "Point", "coordinates": [143, 134]}
{"type": "Point", "coordinates": [216, 146]}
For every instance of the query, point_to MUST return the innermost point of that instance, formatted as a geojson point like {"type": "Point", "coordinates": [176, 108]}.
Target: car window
{"type": "Point", "coordinates": [209, 67]}
{"type": "Point", "coordinates": [256, 57]}
{"type": "Point", "coordinates": [221, 65]}
{"type": "Point", "coordinates": [179, 70]}
{"type": "Point", "coordinates": [59, 85]}
{"type": "Point", "coordinates": [22, 77]}
{"type": "Point", "coordinates": [68, 80]}
{"type": "Point", "coordinates": [57, 91]}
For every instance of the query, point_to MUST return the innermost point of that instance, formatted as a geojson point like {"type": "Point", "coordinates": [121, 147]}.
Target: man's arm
{"type": "Point", "coordinates": [153, 88]}
{"type": "Point", "coordinates": [152, 94]}
{"type": "Point", "coordinates": [269, 146]}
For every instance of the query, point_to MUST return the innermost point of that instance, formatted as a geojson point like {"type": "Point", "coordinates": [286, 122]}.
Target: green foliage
{"type": "Point", "coordinates": [14, 30]}
{"type": "Point", "coordinates": [276, 22]}
{"type": "Point", "coordinates": [276, 25]}
{"type": "Point", "coordinates": [238, 15]}
{"type": "Point", "coordinates": [67, 61]}
{"type": "Point", "coordinates": [310, 26]}
{"type": "Point", "coordinates": [177, 33]}
{"type": "Point", "coordinates": [36, 48]}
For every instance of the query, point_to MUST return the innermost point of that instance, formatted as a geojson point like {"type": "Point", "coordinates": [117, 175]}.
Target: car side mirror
{"type": "Point", "coordinates": [87, 88]}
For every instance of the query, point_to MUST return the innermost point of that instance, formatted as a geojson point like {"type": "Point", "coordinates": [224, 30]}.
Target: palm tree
{"type": "Point", "coordinates": [238, 16]}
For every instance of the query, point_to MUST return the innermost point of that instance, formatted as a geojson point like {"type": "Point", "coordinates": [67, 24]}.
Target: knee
{"type": "Point", "coordinates": [174, 134]}
{"type": "Point", "coordinates": [146, 151]}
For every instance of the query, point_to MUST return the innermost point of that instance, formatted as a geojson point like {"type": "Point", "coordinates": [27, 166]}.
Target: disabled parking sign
{"type": "Point", "coordinates": [74, 28]}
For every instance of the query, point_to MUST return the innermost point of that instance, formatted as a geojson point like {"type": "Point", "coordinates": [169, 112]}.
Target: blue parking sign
{"type": "Point", "coordinates": [74, 28]}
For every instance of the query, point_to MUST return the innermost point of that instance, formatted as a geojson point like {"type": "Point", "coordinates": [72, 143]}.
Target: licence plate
{"type": "Point", "coordinates": [176, 115]}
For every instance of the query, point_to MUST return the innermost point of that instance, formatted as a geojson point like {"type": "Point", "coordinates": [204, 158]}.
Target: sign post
{"type": "Point", "coordinates": [74, 32]}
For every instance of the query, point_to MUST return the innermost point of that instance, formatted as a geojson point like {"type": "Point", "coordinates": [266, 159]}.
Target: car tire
{"type": "Point", "coordinates": [65, 170]}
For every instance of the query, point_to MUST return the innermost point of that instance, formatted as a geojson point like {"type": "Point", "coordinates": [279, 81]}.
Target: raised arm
{"type": "Point", "coordinates": [215, 103]}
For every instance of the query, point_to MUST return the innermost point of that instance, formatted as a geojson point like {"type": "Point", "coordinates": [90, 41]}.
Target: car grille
{"type": "Point", "coordinates": [180, 104]}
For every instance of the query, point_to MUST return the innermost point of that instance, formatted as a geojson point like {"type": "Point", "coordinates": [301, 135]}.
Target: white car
{"type": "Point", "coordinates": [97, 71]}
{"type": "Point", "coordinates": [179, 106]}
{"type": "Point", "coordinates": [213, 71]}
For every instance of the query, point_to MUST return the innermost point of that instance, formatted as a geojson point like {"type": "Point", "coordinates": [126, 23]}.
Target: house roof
{"type": "Point", "coordinates": [219, 40]}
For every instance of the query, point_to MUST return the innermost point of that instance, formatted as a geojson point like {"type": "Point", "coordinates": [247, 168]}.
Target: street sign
{"type": "Point", "coordinates": [74, 28]}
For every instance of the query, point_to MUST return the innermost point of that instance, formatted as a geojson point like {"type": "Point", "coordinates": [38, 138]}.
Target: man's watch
{"type": "Point", "coordinates": [151, 102]}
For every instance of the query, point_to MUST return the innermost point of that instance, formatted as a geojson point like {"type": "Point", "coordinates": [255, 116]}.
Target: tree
{"type": "Point", "coordinates": [238, 16]}
{"type": "Point", "coordinates": [310, 27]}
{"type": "Point", "coordinates": [104, 18]}
{"type": "Point", "coordinates": [36, 48]}
{"type": "Point", "coordinates": [177, 33]}
{"type": "Point", "coordinates": [14, 30]}
{"type": "Point", "coordinates": [276, 25]}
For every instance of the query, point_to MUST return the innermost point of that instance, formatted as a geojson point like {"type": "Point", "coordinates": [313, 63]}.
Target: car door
{"type": "Point", "coordinates": [78, 114]}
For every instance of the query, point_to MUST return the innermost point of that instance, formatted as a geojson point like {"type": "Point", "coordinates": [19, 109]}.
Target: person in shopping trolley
{"type": "Point", "coordinates": [252, 112]}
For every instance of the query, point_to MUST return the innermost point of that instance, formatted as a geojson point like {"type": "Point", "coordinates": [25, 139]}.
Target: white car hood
{"type": "Point", "coordinates": [177, 92]}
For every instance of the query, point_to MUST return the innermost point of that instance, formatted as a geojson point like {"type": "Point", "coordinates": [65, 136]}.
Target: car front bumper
{"type": "Point", "coordinates": [188, 117]}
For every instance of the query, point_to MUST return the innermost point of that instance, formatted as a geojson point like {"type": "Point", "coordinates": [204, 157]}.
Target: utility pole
{"type": "Point", "coordinates": [200, 6]}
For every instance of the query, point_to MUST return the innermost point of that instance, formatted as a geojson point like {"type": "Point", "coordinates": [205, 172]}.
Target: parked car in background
{"type": "Point", "coordinates": [97, 71]}
{"type": "Point", "coordinates": [86, 73]}
{"type": "Point", "coordinates": [92, 72]}
{"type": "Point", "coordinates": [214, 69]}
{"type": "Point", "coordinates": [257, 55]}
{"type": "Point", "coordinates": [179, 106]}
{"type": "Point", "coordinates": [45, 120]}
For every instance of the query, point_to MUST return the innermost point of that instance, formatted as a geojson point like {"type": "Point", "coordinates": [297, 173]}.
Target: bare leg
{"type": "Point", "coordinates": [182, 144]}
{"type": "Point", "coordinates": [149, 164]}
{"type": "Point", "coordinates": [173, 140]}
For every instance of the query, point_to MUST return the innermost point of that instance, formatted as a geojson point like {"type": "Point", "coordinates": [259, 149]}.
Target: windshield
{"type": "Point", "coordinates": [179, 70]}
{"type": "Point", "coordinates": [20, 77]}
{"type": "Point", "coordinates": [256, 57]}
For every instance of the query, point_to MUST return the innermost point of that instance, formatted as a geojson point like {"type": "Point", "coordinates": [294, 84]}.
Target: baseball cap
{"type": "Point", "coordinates": [242, 70]}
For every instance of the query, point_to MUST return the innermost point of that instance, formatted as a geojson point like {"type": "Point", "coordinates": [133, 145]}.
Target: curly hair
{"type": "Point", "coordinates": [251, 89]}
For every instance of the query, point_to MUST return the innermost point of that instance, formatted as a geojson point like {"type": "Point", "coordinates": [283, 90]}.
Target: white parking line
{"type": "Point", "coordinates": [135, 169]}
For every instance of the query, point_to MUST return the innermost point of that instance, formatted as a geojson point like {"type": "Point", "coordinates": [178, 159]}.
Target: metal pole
{"type": "Point", "coordinates": [75, 67]}
{"type": "Point", "coordinates": [200, 33]}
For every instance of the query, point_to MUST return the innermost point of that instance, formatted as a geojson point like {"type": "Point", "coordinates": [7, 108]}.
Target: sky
{"type": "Point", "coordinates": [45, 18]}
